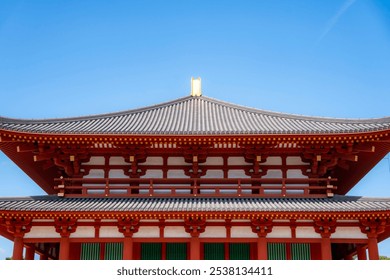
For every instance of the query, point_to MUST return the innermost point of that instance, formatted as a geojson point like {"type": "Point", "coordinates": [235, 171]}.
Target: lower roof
{"type": "Point", "coordinates": [197, 205]}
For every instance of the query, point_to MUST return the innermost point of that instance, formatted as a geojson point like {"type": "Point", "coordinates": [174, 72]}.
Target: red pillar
{"type": "Point", "coordinates": [30, 252]}
{"type": "Point", "coordinates": [262, 250]}
{"type": "Point", "coordinates": [326, 249]}
{"type": "Point", "coordinates": [195, 248]}
{"type": "Point", "coordinates": [373, 251]}
{"type": "Point", "coordinates": [64, 248]}
{"type": "Point", "coordinates": [65, 227]}
{"type": "Point", "coordinates": [361, 253]}
{"type": "Point", "coordinates": [18, 248]}
{"type": "Point", "coordinates": [128, 248]}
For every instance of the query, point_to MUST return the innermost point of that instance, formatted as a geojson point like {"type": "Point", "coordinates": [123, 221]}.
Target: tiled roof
{"type": "Point", "coordinates": [195, 116]}
{"type": "Point", "coordinates": [145, 205]}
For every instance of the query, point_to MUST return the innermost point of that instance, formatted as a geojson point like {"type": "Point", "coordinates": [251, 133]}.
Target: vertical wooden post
{"type": "Point", "coordinates": [195, 248]}
{"type": "Point", "coordinates": [227, 250]}
{"type": "Point", "coordinates": [373, 251]}
{"type": "Point", "coordinates": [326, 248]}
{"type": "Point", "coordinates": [262, 227]}
{"type": "Point", "coordinates": [361, 253]}
{"type": "Point", "coordinates": [373, 227]}
{"type": "Point", "coordinates": [128, 227]}
{"type": "Point", "coordinates": [18, 248]}
{"type": "Point", "coordinates": [18, 227]}
{"type": "Point", "coordinates": [262, 250]}
{"type": "Point", "coordinates": [65, 227]}
{"type": "Point", "coordinates": [64, 248]}
{"type": "Point", "coordinates": [195, 227]}
{"type": "Point", "coordinates": [30, 252]}
{"type": "Point", "coordinates": [128, 248]}
{"type": "Point", "coordinates": [325, 227]}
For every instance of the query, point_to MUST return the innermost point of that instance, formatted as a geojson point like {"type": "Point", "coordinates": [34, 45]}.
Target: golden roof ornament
{"type": "Point", "coordinates": [196, 86]}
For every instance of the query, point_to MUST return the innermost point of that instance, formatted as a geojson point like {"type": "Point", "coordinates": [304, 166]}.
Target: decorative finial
{"type": "Point", "coordinates": [196, 87]}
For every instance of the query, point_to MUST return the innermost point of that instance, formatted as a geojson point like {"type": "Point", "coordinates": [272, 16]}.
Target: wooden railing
{"type": "Point", "coordinates": [189, 187]}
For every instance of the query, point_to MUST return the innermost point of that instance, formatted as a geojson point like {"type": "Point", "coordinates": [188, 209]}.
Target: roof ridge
{"type": "Point", "coordinates": [291, 115]}
{"type": "Point", "coordinates": [205, 98]}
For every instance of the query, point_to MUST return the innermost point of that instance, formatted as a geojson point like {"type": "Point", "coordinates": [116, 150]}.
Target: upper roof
{"type": "Point", "coordinates": [195, 115]}
{"type": "Point", "coordinates": [145, 205]}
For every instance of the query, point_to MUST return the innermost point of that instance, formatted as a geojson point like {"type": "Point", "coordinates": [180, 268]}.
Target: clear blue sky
{"type": "Point", "coordinates": [70, 58]}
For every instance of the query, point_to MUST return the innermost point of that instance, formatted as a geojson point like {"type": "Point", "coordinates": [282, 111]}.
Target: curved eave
{"type": "Point", "coordinates": [340, 207]}
{"type": "Point", "coordinates": [365, 136]}
{"type": "Point", "coordinates": [195, 116]}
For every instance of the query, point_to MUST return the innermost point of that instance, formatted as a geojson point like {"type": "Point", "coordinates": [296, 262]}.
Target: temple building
{"type": "Point", "coordinates": [195, 178]}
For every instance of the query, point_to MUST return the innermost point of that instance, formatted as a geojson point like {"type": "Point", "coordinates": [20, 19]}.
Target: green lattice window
{"type": "Point", "coordinates": [239, 251]}
{"type": "Point", "coordinates": [276, 251]}
{"type": "Point", "coordinates": [151, 251]}
{"type": "Point", "coordinates": [176, 251]}
{"type": "Point", "coordinates": [300, 251]}
{"type": "Point", "coordinates": [113, 251]}
{"type": "Point", "coordinates": [214, 251]}
{"type": "Point", "coordinates": [90, 251]}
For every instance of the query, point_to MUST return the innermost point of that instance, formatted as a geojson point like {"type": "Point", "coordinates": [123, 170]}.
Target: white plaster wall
{"type": "Point", "coordinates": [237, 174]}
{"type": "Point", "coordinates": [295, 161]}
{"type": "Point", "coordinates": [273, 161]}
{"type": "Point", "coordinates": [176, 174]}
{"type": "Point", "coordinates": [177, 161]}
{"type": "Point", "coordinates": [153, 174]}
{"type": "Point", "coordinates": [81, 232]}
{"type": "Point", "coordinates": [280, 232]}
{"type": "Point", "coordinates": [153, 161]}
{"type": "Point", "coordinates": [274, 174]}
{"type": "Point", "coordinates": [213, 161]}
{"type": "Point", "coordinates": [153, 232]}
{"type": "Point", "coordinates": [95, 173]}
{"type": "Point", "coordinates": [237, 161]}
{"type": "Point", "coordinates": [214, 232]}
{"type": "Point", "coordinates": [295, 173]}
{"type": "Point", "coordinates": [117, 174]}
{"type": "Point", "coordinates": [118, 161]}
{"type": "Point", "coordinates": [110, 232]}
{"type": "Point", "coordinates": [348, 232]}
{"type": "Point", "coordinates": [171, 231]}
{"type": "Point", "coordinates": [214, 174]}
{"type": "Point", "coordinates": [306, 232]}
{"type": "Point", "coordinates": [95, 161]}
{"type": "Point", "coordinates": [42, 232]}
{"type": "Point", "coordinates": [237, 232]}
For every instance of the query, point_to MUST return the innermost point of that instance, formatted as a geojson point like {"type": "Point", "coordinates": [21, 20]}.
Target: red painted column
{"type": "Point", "coordinates": [128, 248]}
{"type": "Point", "coordinates": [373, 251]}
{"type": "Point", "coordinates": [361, 253]}
{"type": "Point", "coordinates": [128, 227]}
{"type": "Point", "coordinates": [373, 227]}
{"type": "Point", "coordinates": [262, 250]}
{"type": "Point", "coordinates": [18, 248]}
{"type": "Point", "coordinates": [65, 227]}
{"type": "Point", "coordinates": [325, 227]}
{"type": "Point", "coordinates": [326, 248]}
{"type": "Point", "coordinates": [18, 227]}
{"type": "Point", "coordinates": [195, 248]}
{"type": "Point", "coordinates": [64, 248]}
{"type": "Point", "coordinates": [195, 227]}
{"type": "Point", "coordinates": [30, 252]}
